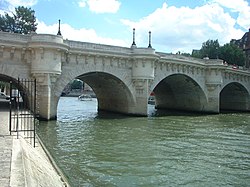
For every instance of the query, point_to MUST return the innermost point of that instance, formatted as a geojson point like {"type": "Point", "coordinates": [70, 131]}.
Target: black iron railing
{"type": "Point", "coordinates": [23, 109]}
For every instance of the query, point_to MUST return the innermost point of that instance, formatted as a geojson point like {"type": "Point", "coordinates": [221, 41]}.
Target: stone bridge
{"type": "Point", "coordinates": [122, 78]}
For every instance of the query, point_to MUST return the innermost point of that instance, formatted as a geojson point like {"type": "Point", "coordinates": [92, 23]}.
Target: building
{"type": "Point", "coordinates": [244, 43]}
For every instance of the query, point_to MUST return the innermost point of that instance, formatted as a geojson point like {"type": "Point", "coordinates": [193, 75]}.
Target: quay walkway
{"type": "Point", "coordinates": [6, 142]}
{"type": "Point", "coordinates": [22, 165]}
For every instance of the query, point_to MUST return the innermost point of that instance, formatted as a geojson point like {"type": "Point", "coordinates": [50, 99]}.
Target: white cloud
{"type": "Point", "coordinates": [233, 4]}
{"type": "Point", "coordinates": [85, 35]}
{"type": "Point", "coordinates": [242, 7]}
{"type": "Point", "coordinates": [10, 5]}
{"type": "Point", "coordinates": [173, 29]}
{"type": "Point", "coordinates": [101, 6]}
{"type": "Point", "coordinates": [183, 29]}
{"type": "Point", "coordinates": [26, 3]}
{"type": "Point", "coordinates": [82, 3]}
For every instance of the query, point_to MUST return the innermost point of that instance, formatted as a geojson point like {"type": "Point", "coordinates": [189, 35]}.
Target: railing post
{"type": "Point", "coordinates": [10, 105]}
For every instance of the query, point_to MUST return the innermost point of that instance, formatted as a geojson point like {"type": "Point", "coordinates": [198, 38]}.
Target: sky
{"type": "Point", "coordinates": [176, 25]}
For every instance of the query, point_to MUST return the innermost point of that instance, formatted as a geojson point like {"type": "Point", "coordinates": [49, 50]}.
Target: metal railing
{"type": "Point", "coordinates": [23, 109]}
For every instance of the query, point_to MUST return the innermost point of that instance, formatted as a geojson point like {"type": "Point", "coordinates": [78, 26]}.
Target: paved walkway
{"type": "Point", "coordinates": [6, 142]}
{"type": "Point", "coordinates": [22, 165]}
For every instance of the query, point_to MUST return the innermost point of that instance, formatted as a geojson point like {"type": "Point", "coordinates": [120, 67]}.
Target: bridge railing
{"type": "Point", "coordinates": [6, 36]}
{"type": "Point", "coordinates": [27, 38]}
{"type": "Point", "coordinates": [213, 61]}
{"type": "Point", "coordinates": [96, 47]}
{"type": "Point", "coordinates": [181, 59]}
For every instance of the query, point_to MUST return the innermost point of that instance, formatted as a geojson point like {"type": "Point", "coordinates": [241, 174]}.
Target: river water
{"type": "Point", "coordinates": [164, 149]}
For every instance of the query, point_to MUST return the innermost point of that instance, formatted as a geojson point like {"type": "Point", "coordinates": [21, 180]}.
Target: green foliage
{"type": "Point", "coordinates": [229, 52]}
{"type": "Point", "coordinates": [196, 54]}
{"type": "Point", "coordinates": [210, 49]}
{"type": "Point", "coordinates": [77, 84]}
{"type": "Point", "coordinates": [23, 21]}
{"type": "Point", "coordinates": [232, 54]}
{"type": "Point", "coordinates": [3, 85]}
{"type": "Point", "coordinates": [7, 23]}
{"type": "Point", "coordinates": [183, 54]}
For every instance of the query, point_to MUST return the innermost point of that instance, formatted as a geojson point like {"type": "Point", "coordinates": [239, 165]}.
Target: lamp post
{"type": "Point", "coordinates": [149, 40]}
{"type": "Point", "coordinates": [59, 28]}
{"type": "Point", "coordinates": [133, 44]}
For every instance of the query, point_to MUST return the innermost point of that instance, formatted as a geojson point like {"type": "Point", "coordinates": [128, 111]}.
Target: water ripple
{"type": "Point", "coordinates": [175, 150]}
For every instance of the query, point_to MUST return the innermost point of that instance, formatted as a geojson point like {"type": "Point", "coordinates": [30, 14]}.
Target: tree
{"type": "Point", "coordinates": [196, 53]}
{"type": "Point", "coordinates": [3, 86]}
{"type": "Point", "coordinates": [23, 21]}
{"type": "Point", "coordinates": [210, 49]}
{"type": "Point", "coordinates": [76, 84]}
{"type": "Point", "coordinates": [7, 23]}
{"type": "Point", "coordinates": [232, 54]}
{"type": "Point", "coordinates": [229, 52]}
{"type": "Point", "coordinates": [183, 54]}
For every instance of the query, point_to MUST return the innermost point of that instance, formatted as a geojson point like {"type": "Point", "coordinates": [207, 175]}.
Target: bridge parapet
{"type": "Point", "coordinates": [213, 61]}
{"type": "Point", "coordinates": [48, 38]}
{"type": "Point", "coordinates": [180, 64]}
{"type": "Point", "coordinates": [46, 52]}
{"type": "Point", "coordinates": [143, 51]}
{"type": "Point", "coordinates": [182, 59]}
{"type": "Point", "coordinates": [47, 41]}
{"type": "Point", "coordinates": [77, 46]}
{"type": "Point", "coordinates": [13, 39]}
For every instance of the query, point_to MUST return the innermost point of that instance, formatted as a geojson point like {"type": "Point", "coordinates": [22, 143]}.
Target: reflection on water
{"type": "Point", "coordinates": [100, 149]}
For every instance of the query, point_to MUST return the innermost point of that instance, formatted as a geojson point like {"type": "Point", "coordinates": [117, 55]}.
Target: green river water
{"type": "Point", "coordinates": [164, 149]}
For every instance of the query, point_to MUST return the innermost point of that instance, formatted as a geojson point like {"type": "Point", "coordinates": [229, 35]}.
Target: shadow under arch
{"type": "Point", "coordinates": [179, 92]}
{"type": "Point", "coordinates": [23, 91]}
{"type": "Point", "coordinates": [111, 92]}
{"type": "Point", "coordinates": [234, 97]}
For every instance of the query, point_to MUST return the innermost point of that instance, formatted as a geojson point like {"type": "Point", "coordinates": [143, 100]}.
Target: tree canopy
{"type": "Point", "coordinates": [76, 84]}
{"type": "Point", "coordinates": [22, 21]}
{"type": "Point", "coordinates": [229, 52]}
{"type": "Point", "coordinates": [210, 49]}
{"type": "Point", "coordinates": [232, 54]}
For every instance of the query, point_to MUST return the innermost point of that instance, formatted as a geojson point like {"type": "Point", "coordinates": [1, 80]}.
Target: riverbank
{"type": "Point", "coordinates": [22, 165]}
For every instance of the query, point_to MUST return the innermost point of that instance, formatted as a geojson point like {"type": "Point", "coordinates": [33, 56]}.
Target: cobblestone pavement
{"type": "Point", "coordinates": [5, 149]}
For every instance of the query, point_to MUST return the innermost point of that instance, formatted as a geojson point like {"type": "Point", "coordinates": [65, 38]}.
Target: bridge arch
{"type": "Point", "coordinates": [112, 94]}
{"type": "Point", "coordinates": [113, 90]}
{"type": "Point", "coordinates": [179, 92]}
{"type": "Point", "coordinates": [235, 96]}
{"type": "Point", "coordinates": [23, 89]}
{"type": "Point", "coordinates": [7, 79]}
